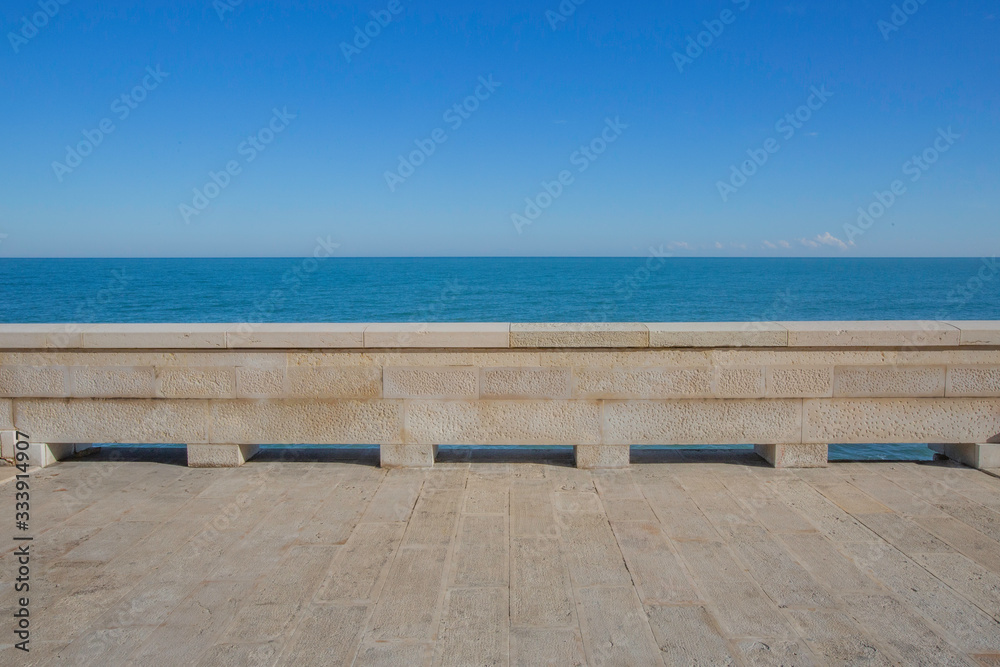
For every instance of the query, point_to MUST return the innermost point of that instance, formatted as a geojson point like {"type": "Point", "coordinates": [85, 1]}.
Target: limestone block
{"type": "Point", "coordinates": [123, 420]}
{"type": "Point", "coordinates": [459, 334]}
{"type": "Point", "coordinates": [313, 358]}
{"type": "Point", "coordinates": [643, 382]}
{"type": "Point", "coordinates": [793, 456]}
{"type": "Point", "coordinates": [220, 456]}
{"type": "Point", "coordinates": [799, 381]}
{"type": "Point", "coordinates": [594, 334]}
{"type": "Point", "coordinates": [525, 382]}
{"type": "Point", "coordinates": [885, 420]}
{"type": "Point", "coordinates": [40, 336]}
{"type": "Point", "coordinates": [981, 332]}
{"type": "Point", "coordinates": [871, 334]}
{"type": "Point", "coordinates": [41, 381]}
{"type": "Point", "coordinates": [625, 358]}
{"type": "Point", "coordinates": [717, 334]}
{"type": "Point", "coordinates": [974, 381]}
{"type": "Point", "coordinates": [981, 456]}
{"type": "Point", "coordinates": [8, 437]}
{"type": "Point", "coordinates": [299, 335]}
{"type": "Point", "coordinates": [740, 382]}
{"type": "Point", "coordinates": [489, 422]}
{"type": "Point", "coordinates": [334, 382]}
{"type": "Point", "coordinates": [308, 422]}
{"type": "Point", "coordinates": [42, 454]}
{"type": "Point", "coordinates": [6, 413]}
{"type": "Point", "coordinates": [39, 454]}
{"type": "Point", "coordinates": [407, 456]}
{"type": "Point", "coordinates": [888, 381]}
{"type": "Point", "coordinates": [154, 336]}
{"type": "Point", "coordinates": [259, 382]}
{"type": "Point", "coordinates": [140, 358]}
{"type": "Point", "coordinates": [113, 381]}
{"type": "Point", "coordinates": [702, 422]}
{"type": "Point", "coordinates": [481, 359]}
{"type": "Point", "coordinates": [211, 382]}
{"type": "Point", "coordinates": [430, 382]}
{"type": "Point", "coordinates": [595, 457]}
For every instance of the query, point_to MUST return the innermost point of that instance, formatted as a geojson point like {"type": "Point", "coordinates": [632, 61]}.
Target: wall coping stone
{"type": "Point", "coordinates": [477, 335]}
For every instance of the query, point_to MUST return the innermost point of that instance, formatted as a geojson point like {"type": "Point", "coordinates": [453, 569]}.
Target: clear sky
{"type": "Point", "coordinates": [730, 127]}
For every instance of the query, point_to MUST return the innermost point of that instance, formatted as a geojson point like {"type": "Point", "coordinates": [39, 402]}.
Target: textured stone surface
{"type": "Point", "coordinates": [429, 382]}
{"type": "Point", "coordinates": [259, 382]}
{"type": "Point", "coordinates": [463, 334]}
{"type": "Point", "coordinates": [220, 456]}
{"type": "Point", "coordinates": [119, 420]}
{"type": "Point", "coordinates": [6, 413]}
{"type": "Point", "coordinates": [42, 381]}
{"type": "Point", "coordinates": [525, 383]}
{"type": "Point", "coordinates": [797, 381]}
{"type": "Point", "coordinates": [889, 382]}
{"type": "Point", "coordinates": [373, 422]}
{"type": "Point", "coordinates": [739, 382]}
{"type": "Point", "coordinates": [643, 382]}
{"type": "Point", "coordinates": [717, 334]}
{"type": "Point", "coordinates": [845, 420]}
{"type": "Point", "coordinates": [595, 457]}
{"type": "Point", "coordinates": [974, 381]}
{"type": "Point", "coordinates": [7, 440]}
{"type": "Point", "coordinates": [793, 456]}
{"type": "Point", "coordinates": [196, 382]}
{"type": "Point", "coordinates": [333, 382]}
{"type": "Point", "coordinates": [595, 334]}
{"type": "Point", "coordinates": [503, 422]}
{"type": "Point", "coordinates": [113, 381]}
{"type": "Point", "coordinates": [701, 422]}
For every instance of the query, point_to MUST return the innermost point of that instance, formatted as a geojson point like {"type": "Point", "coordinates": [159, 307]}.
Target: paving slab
{"type": "Point", "coordinates": [700, 560]}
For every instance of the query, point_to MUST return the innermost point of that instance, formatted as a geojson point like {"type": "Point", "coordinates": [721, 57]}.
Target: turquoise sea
{"type": "Point", "coordinates": [652, 288]}
{"type": "Point", "coordinates": [649, 288]}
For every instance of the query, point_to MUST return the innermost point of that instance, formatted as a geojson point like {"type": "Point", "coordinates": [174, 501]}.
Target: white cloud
{"type": "Point", "coordinates": [683, 245]}
{"type": "Point", "coordinates": [784, 244]}
{"type": "Point", "coordinates": [808, 243]}
{"type": "Point", "coordinates": [718, 245]}
{"type": "Point", "coordinates": [830, 239]}
{"type": "Point", "coordinates": [768, 244]}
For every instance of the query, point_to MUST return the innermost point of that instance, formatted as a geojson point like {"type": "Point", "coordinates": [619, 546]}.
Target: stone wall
{"type": "Point", "coordinates": [412, 387]}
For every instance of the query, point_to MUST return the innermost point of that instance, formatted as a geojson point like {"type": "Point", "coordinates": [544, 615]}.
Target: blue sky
{"type": "Point", "coordinates": [594, 129]}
